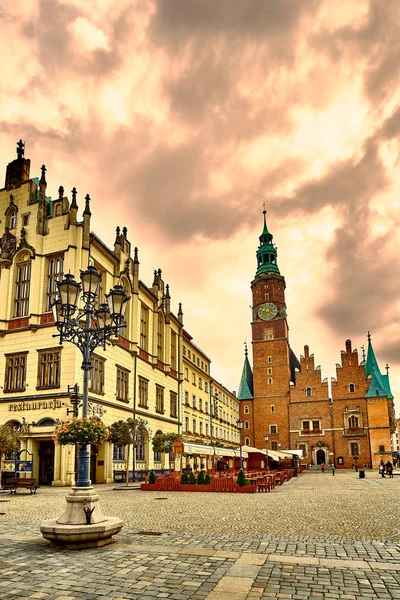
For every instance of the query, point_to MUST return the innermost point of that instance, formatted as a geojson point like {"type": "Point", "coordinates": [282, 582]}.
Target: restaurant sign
{"type": "Point", "coordinates": [42, 404]}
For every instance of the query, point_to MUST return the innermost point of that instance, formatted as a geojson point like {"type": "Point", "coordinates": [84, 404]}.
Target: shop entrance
{"type": "Point", "coordinates": [320, 457]}
{"type": "Point", "coordinates": [46, 462]}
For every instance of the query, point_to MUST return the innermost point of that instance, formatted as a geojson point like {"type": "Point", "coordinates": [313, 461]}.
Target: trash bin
{"type": "Point", "coordinates": [361, 473]}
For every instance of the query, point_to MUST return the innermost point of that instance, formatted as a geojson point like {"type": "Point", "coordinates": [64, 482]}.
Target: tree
{"type": "Point", "coordinates": [164, 442]}
{"type": "Point", "coordinates": [128, 433]}
{"type": "Point", "coordinates": [9, 442]}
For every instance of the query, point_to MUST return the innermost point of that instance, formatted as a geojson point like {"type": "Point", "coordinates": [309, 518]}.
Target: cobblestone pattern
{"type": "Point", "coordinates": [200, 563]}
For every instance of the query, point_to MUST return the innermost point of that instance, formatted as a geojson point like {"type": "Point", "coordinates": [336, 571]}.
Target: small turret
{"type": "Point", "coordinates": [180, 313]}
{"type": "Point", "coordinates": [73, 211]}
{"type": "Point", "coordinates": [86, 223]}
{"type": "Point", "coordinates": [135, 274]}
{"type": "Point", "coordinates": [41, 213]}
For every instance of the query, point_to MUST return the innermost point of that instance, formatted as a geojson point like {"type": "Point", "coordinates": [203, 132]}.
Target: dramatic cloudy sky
{"type": "Point", "coordinates": [182, 117]}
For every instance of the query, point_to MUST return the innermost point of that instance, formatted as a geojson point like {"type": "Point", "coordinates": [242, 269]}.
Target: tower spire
{"type": "Point", "coordinates": [267, 252]}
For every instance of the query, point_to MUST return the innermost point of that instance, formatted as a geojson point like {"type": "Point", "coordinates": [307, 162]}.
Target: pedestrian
{"type": "Point", "coordinates": [382, 468]}
{"type": "Point", "coordinates": [322, 467]}
{"type": "Point", "coordinates": [333, 469]}
{"type": "Point", "coordinates": [389, 468]}
{"type": "Point", "coordinates": [394, 462]}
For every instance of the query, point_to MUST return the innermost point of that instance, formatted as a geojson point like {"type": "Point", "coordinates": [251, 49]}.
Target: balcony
{"type": "Point", "coordinates": [354, 431]}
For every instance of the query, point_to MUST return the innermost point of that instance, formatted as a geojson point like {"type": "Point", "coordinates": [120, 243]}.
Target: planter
{"type": "Point", "coordinates": [150, 487]}
{"type": "Point", "coordinates": [246, 489]}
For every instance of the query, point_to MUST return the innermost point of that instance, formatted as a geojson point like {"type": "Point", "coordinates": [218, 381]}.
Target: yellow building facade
{"type": "Point", "coordinates": [139, 375]}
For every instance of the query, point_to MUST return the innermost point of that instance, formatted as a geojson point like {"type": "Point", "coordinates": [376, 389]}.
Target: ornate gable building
{"type": "Point", "coordinates": [347, 423]}
{"type": "Point", "coordinates": [140, 375]}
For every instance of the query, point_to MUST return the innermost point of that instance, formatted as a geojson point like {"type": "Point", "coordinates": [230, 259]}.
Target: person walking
{"type": "Point", "coordinates": [323, 467]}
{"type": "Point", "coordinates": [382, 468]}
{"type": "Point", "coordinates": [333, 469]}
{"type": "Point", "coordinates": [389, 468]}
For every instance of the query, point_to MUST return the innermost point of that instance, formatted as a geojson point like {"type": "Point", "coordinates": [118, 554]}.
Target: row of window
{"type": "Point", "coordinates": [143, 401]}
{"type": "Point", "coordinates": [191, 356]}
{"type": "Point", "coordinates": [198, 382]}
{"type": "Point", "coordinates": [49, 376]}
{"type": "Point", "coordinates": [204, 429]}
{"type": "Point", "coordinates": [144, 336]}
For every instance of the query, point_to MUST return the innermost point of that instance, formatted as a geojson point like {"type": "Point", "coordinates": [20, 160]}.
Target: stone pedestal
{"type": "Point", "coordinates": [82, 525]}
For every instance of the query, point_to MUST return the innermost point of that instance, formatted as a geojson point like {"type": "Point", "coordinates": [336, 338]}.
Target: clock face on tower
{"type": "Point", "coordinates": [267, 311]}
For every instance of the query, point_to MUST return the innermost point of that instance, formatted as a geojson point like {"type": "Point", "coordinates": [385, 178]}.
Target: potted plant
{"type": "Point", "coordinates": [81, 431]}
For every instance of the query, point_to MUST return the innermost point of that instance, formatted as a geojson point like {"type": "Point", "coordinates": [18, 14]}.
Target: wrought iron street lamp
{"type": "Point", "coordinates": [87, 328]}
{"type": "Point", "coordinates": [266, 438]}
{"type": "Point", "coordinates": [239, 424]}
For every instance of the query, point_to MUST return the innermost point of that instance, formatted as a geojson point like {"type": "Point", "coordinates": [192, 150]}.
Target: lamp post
{"type": "Point", "coordinates": [266, 438]}
{"type": "Point", "coordinates": [87, 328]}
{"type": "Point", "coordinates": [239, 424]}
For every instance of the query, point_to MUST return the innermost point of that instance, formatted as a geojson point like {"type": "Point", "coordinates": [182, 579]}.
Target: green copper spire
{"type": "Point", "coordinates": [266, 253]}
{"type": "Point", "coordinates": [246, 382]}
{"type": "Point", "coordinates": [379, 385]}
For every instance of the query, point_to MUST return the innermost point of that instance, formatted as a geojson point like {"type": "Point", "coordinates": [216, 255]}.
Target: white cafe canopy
{"type": "Point", "coordinates": [201, 450]}
{"type": "Point", "coordinates": [274, 454]}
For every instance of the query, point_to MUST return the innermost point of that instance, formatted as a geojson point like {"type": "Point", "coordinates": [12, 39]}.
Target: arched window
{"type": "Point", "coordinates": [352, 388]}
{"type": "Point", "coordinates": [246, 425]}
{"type": "Point", "coordinates": [46, 422]}
{"type": "Point", "coordinates": [353, 422]}
{"type": "Point", "coordinates": [308, 391]}
{"type": "Point", "coordinates": [247, 441]}
{"type": "Point", "coordinates": [22, 285]}
{"type": "Point", "coordinates": [246, 410]}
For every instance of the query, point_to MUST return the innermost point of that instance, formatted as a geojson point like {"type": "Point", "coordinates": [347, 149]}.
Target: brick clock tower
{"type": "Point", "coordinates": [266, 410]}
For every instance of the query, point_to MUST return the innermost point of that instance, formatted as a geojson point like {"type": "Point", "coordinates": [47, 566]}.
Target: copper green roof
{"type": "Point", "coordinates": [266, 253]}
{"type": "Point", "coordinates": [380, 385]}
{"type": "Point", "coordinates": [246, 391]}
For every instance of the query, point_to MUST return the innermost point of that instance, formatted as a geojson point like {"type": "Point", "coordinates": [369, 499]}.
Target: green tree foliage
{"type": "Point", "coordinates": [241, 480]}
{"type": "Point", "coordinates": [9, 442]}
{"type": "Point", "coordinates": [152, 477]}
{"type": "Point", "coordinates": [207, 479]}
{"type": "Point", "coordinates": [164, 442]}
{"type": "Point", "coordinates": [200, 478]}
{"type": "Point", "coordinates": [128, 433]}
{"type": "Point", "coordinates": [185, 477]}
{"type": "Point", "coordinates": [192, 478]}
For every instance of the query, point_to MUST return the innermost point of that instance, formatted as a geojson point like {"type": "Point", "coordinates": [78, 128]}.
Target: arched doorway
{"type": "Point", "coordinates": [320, 457]}
{"type": "Point", "coordinates": [46, 462]}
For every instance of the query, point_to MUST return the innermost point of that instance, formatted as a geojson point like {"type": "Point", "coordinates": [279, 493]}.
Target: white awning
{"type": "Point", "coordinates": [293, 452]}
{"type": "Point", "coordinates": [274, 454]}
{"type": "Point", "coordinates": [201, 450]}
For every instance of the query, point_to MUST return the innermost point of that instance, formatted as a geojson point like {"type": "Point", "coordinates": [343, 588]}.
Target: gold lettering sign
{"type": "Point", "coordinates": [41, 405]}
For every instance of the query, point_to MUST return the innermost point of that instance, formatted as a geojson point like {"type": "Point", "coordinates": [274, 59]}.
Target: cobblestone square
{"type": "Point", "coordinates": [316, 537]}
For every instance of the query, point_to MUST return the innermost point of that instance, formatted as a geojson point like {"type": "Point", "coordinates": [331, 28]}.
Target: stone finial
{"type": "Point", "coordinates": [87, 205]}
{"type": "Point", "coordinates": [159, 273]}
{"type": "Point", "coordinates": [23, 235]}
{"type": "Point", "coordinates": [135, 256]}
{"type": "Point", "coordinates": [245, 348]}
{"type": "Point", "coordinates": [43, 177]}
{"type": "Point", "coordinates": [180, 313]}
{"type": "Point", "coordinates": [11, 199]}
{"type": "Point", "coordinates": [125, 231]}
{"type": "Point", "coordinates": [20, 149]}
{"type": "Point", "coordinates": [348, 346]}
{"type": "Point", "coordinates": [60, 192]}
{"type": "Point", "coordinates": [74, 193]}
{"type": "Point", "coordinates": [167, 291]}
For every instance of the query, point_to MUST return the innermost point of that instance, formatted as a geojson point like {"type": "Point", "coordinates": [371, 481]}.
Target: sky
{"type": "Point", "coordinates": [181, 118]}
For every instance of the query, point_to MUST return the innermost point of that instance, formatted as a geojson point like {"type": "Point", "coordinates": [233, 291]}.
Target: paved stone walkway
{"type": "Point", "coordinates": [189, 552]}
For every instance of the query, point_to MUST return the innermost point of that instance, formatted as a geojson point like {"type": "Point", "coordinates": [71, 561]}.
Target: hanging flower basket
{"type": "Point", "coordinates": [81, 431]}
